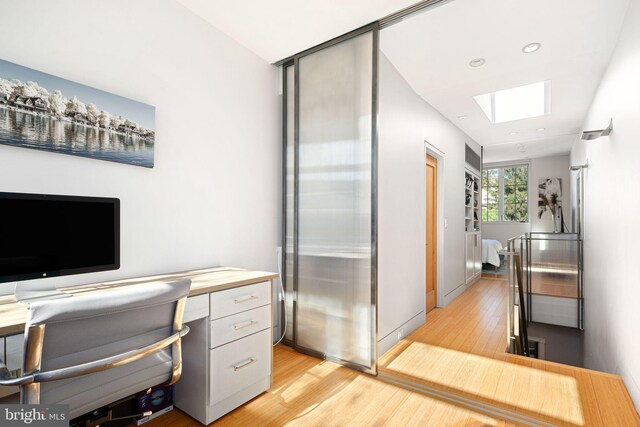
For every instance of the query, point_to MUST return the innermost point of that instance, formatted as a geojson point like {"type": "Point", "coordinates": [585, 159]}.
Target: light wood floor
{"type": "Point", "coordinates": [459, 350]}
{"type": "Point", "coordinates": [310, 392]}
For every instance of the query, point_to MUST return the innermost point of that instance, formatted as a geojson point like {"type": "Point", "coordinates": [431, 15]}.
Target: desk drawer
{"type": "Point", "coordinates": [236, 300]}
{"type": "Point", "coordinates": [240, 325]}
{"type": "Point", "coordinates": [196, 308]}
{"type": "Point", "coordinates": [238, 365]}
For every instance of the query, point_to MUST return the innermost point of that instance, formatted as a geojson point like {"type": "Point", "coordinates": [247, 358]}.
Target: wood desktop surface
{"type": "Point", "coordinates": [13, 314]}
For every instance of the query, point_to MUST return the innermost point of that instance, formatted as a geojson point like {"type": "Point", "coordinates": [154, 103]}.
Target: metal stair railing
{"type": "Point", "coordinates": [518, 340]}
{"type": "Point", "coordinates": [545, 272]}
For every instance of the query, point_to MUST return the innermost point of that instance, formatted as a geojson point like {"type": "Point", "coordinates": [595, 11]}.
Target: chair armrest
{"type": "Point", "coordinates": [109, 362]}
{"type": "Point", "coordinates": [8, 380]}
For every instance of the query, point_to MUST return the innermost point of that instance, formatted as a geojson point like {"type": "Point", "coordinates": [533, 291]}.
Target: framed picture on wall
{"type": "Point", "coordinates": [45, 112]}
{"type": "Point", "coordinates": [549, 198]}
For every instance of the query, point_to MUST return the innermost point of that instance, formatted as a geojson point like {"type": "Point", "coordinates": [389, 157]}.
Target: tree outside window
{"type": "Point", "coordinates": [505, 195]}
{"type": "Point", "coordinates": [490, 195]}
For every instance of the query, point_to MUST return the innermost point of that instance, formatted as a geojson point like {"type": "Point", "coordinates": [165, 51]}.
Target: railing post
{"type": "Point", "coordinates": [522, 321]}
{"type": "Point", "coordinates": [511, 302]}
{"type": "Point", "coordinates": [517, 319]}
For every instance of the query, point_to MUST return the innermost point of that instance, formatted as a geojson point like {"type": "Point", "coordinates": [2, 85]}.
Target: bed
{"type": "Point", "coordinates": [491, 252]}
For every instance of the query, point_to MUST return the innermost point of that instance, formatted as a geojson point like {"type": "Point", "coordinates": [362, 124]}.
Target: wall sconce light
{"type": "Point", "coordinates": [594, 134]}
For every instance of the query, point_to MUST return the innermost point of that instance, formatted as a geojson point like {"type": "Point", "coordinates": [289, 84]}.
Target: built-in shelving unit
{"type": "Point", "coordinates": [473, 224]}
{"type": "Point", "coordinates": [473, 202]}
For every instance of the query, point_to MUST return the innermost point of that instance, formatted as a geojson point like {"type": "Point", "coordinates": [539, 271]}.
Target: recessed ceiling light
{"type": "Point", "coordinates": [541, 129]}
{"type": "Point", "coordinates": [478, 62]}
{"type": "Point", "coordinates": [523, 102]}
{"type": "Point", "coordinates": [513, 133]}
{"type": "Point", "coordinates": [531, 47]}
{"type": "Point", "coordinates": [462, 117]}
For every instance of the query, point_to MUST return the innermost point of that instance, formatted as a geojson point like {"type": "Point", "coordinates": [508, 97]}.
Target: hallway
{"type": "Point", "coordinates": [461, 350]}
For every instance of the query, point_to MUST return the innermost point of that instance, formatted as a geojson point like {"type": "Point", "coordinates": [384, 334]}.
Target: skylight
{"type": "Point", "coordinates": [522, 102]}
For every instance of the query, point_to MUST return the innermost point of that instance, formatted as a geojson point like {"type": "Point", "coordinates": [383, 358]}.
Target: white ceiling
{"type": "Point", "coordinates": [276, 29]}
{"type": "Point", "coordinates": [432, 51]}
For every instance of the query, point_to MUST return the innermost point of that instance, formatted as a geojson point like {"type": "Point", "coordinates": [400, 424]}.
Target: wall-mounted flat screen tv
{"type": "Point", "coordinates": [50, 235]}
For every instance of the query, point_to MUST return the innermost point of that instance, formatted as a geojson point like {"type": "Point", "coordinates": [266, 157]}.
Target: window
{"type": "Point", "coordinates": [505, 194]}
{"type": "Point", "coordinates": [491, 195]}
{"type": "Point", "coordinates": [523, 102]}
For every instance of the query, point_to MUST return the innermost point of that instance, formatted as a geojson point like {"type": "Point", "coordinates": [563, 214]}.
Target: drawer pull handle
{"type": "Point", "coordinates": [245, 299]}
{"type": "Point", "coordinates": [244, 364]}
{"type": "Point", "coordinates": [244, 324]}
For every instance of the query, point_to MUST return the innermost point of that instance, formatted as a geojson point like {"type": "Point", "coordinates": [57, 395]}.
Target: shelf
{"type": "Point", "coordinates": [473, 209]}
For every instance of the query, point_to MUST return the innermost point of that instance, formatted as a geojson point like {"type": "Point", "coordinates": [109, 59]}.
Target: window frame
{"type": "Point", "coordinates": [501, 167]}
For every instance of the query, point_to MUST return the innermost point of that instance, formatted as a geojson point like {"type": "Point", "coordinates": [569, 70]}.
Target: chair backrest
{"type": "Point", "coordinates": [65, 333]}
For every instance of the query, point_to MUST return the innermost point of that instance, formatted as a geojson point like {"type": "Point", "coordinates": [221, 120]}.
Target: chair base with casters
{"type": "Point", "coordinates": [117, 414]}
{"type": "Point", "coordinates": [88, 351]}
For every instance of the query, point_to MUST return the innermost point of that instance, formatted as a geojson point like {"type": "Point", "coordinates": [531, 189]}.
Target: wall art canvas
{"type": "Point", "coordinates": [549, 198]}
{"type": "Point", "coordinates": [45, 112]}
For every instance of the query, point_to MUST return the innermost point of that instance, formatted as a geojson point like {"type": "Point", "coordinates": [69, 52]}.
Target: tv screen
{"type": "Point", "coordinates": [46, 235]}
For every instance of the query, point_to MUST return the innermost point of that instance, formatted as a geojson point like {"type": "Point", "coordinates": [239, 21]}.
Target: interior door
{"type": "Point", "coordinates": [431, 238]}
{"type": "Point", "coordinates": [332, 204]}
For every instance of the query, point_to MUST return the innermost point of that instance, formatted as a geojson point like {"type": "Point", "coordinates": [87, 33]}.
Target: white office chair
{"type": "Point", "coordinates": [91, 350]}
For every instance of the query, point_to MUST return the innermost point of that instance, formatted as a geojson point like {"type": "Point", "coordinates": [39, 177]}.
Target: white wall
{"type": "Point", "coordinates": [611, 206]}
{"type": "Point", "coordinates": [543, 167]}
{"type": "Point", "coordinates": [212, 198]}
{"type": "Point", "coordinates": [406, 121]}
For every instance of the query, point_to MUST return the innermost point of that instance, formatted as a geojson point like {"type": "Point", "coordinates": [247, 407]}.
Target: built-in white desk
{"type": "Point", "coordinates": [227, 356]}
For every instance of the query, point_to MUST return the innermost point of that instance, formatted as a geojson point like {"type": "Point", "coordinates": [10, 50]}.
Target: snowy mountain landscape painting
{"type": "Point", "coordinates": [44, 112]}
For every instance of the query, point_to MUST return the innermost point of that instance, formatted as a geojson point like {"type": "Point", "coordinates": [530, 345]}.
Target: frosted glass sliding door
{"type": "Point", "coordinates": [289, 194]}
{"type": "Point", "coordinates": [333, 206]}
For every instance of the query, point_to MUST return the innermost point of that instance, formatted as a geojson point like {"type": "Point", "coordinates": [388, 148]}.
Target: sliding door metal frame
{"type": "Point", "coordinates": [294, 61]}
{"type": "Point", "coordinates": [380, 24]}
{"type": "Point", "coordinates": [374, 196]}
{"type": "Point", "coordinates": [399, 16]}
{"type": "Point", "coordinates": [351, 34]}
{"type": "Point", "coordinates": [285, 146]}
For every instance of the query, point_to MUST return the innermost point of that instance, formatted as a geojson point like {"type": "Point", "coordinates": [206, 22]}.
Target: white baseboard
{"type": "Point", "coordinates": [385, 343]}
{"type": "Point", "coordinates": [454, 294]}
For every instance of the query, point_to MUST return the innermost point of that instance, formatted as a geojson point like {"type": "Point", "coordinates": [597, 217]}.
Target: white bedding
{"type": "Point", "coordinates": [490, 249]}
